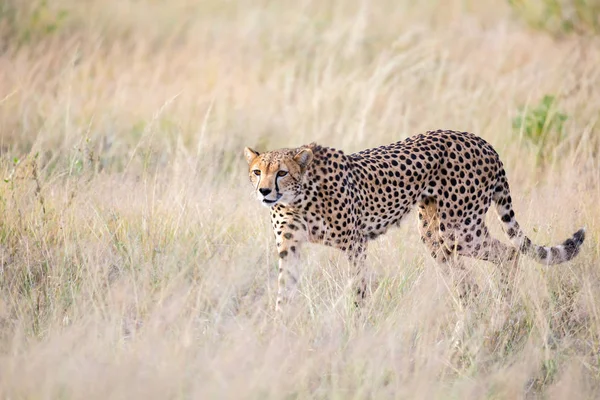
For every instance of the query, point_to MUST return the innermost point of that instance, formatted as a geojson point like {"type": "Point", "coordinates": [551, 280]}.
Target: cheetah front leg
{"type": "Point", "coordinates": [290, 232]}
{"type": "Point", "coordinates": [357, 257]}
{"type": "Point", "coordinates": [289, 272]}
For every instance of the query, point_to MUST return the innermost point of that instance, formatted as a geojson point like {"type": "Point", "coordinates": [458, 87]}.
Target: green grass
{"type": "Point", "coordinates": [543, 126]}
{"type": "Point", "coordinates": [560, 18]}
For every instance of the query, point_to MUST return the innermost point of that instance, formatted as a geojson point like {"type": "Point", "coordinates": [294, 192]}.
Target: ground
{"type": "Point", "coordinates": [135, 262]}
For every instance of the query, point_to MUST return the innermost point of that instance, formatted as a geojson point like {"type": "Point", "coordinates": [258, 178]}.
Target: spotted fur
{"type": "Point", "coordinates": [322, 195]}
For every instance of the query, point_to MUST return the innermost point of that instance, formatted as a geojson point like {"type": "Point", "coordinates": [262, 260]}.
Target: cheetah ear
{"type": "Point", "coordinates": [304, 157]}
{"type": "Point", "coordinates": [250, 154]}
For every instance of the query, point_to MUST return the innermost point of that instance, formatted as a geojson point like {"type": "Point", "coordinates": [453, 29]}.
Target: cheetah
{"type": "Point", "coordinates": [321, 195]}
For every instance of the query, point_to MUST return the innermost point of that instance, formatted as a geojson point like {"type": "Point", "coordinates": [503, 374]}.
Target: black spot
{"type": "Point", "coordinates": [542, 253]}
{"type": "Point", "coordinates": [288, 235]}
{"type": "Point", "coordinates": [283, 254]}
{"type": "Point", "coordinates": [506, 218]}
{"type": "Point", "coordinates": [571, 248]}
{"type": "Point", "coordinates": [579, 236]}
{"type": "Point", "coordinates": [526, 245]}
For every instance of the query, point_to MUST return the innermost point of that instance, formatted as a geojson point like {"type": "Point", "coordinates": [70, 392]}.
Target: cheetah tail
{"type": "Point", "coordinates": [548, 255]}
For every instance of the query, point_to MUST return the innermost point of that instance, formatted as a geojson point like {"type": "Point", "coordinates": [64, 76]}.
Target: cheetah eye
{"type": "Point", "coordinates": [282, 173]}
{"type": "Point", "coordinates": [256, 172]}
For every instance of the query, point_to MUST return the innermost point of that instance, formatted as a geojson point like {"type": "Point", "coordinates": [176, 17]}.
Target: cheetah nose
{"type": "Point", "coordinates": [264, 191]}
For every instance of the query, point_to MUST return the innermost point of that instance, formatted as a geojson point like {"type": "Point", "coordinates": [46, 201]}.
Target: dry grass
{"type": "Point", "coordinates": [134, 262]}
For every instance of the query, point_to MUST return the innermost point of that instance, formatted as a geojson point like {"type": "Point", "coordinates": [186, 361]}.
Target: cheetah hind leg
{"type": "Point", "coordinates": [444, 252]}
{"type": "Point", "coordinates": [448, 258]}
{"type": "Point", "coordinates": [505, 257]}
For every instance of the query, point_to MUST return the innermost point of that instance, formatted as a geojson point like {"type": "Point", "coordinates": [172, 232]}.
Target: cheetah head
{"type": "Point", "coordinates": [277, 175]}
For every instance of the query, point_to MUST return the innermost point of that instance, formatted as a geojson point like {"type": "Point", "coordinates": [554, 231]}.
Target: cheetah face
{"type": "Point", "coordinates": [277, 175]}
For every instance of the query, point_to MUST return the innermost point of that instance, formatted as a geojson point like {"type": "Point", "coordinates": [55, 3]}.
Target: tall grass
{"type": "Point", "coordinates": [134, 262]}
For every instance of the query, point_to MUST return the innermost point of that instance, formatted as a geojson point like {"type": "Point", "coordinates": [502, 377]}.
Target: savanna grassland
{"type": "Point", "coordinates": [136, 263]}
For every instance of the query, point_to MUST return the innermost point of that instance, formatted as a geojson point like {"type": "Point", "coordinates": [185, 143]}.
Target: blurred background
{"type": "Point", "coordinates": [135, 262]}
